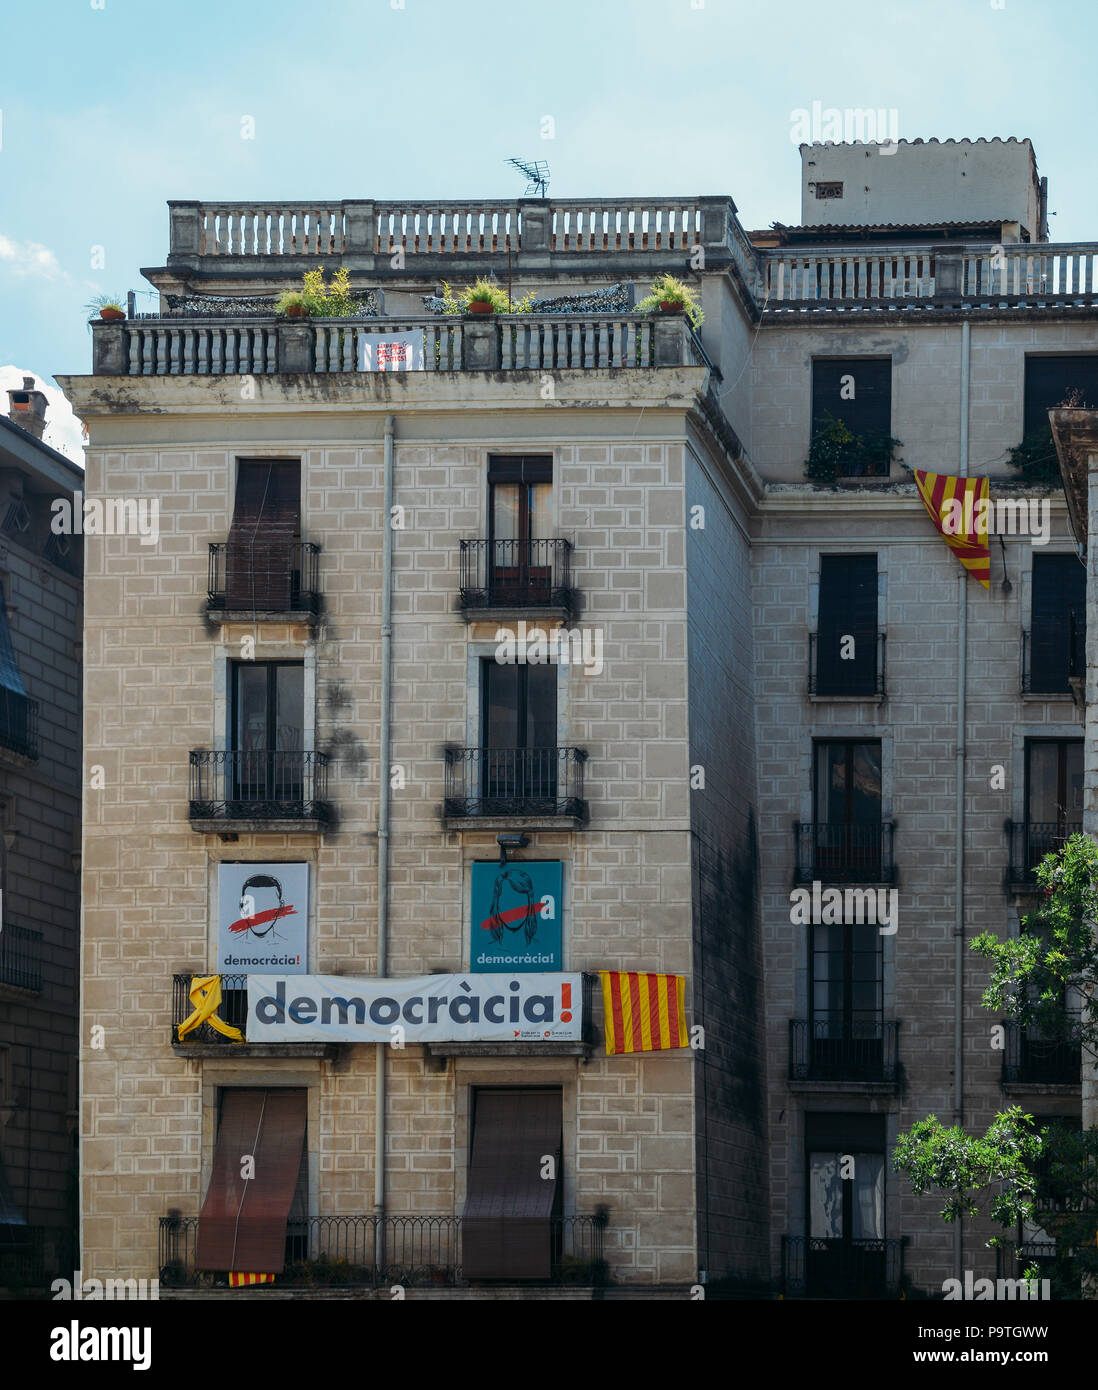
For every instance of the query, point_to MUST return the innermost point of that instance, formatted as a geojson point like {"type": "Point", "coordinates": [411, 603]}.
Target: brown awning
{"type": "Point", "coordinates": [242, 1224]}
{"type": "Point", "coordinates": [507, 1229]}
{"type": "Point", "coordinates": [260, 557]}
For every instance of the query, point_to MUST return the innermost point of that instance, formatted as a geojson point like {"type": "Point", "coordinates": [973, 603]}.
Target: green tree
{"type": "Point", "coordinates": [1017, 1171]}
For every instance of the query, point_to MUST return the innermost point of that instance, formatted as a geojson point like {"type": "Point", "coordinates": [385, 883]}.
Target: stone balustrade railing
{"type": "Point", "coordinates": [178, 346]}
{"type": "Point", "coordinates": [1014, 275]}
{"type": "Point", "coordinates": [359, 230]}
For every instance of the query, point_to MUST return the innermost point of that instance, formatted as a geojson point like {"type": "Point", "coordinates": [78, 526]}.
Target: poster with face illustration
{"type": "Point", "coordinates": [515, 923]}
{"type": "Point", "coordinates": [263, 918]}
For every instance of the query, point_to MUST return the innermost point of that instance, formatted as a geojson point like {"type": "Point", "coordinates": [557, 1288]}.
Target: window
{"type": "Point", "coordinates": [846, 639]}
{"type": "Point", "coordinates": [18, 713]}
{"type": "Point", "coordinates": [845, 1199]}
{"type": "Point", "coordinates": [1057, 635]}
{"type": "Point", "coordinates": [1050, 380]}
{"type": "Point", "coordinates": [263, 555]}
{"type": "Point", "coordinates": [511, 1223]}
{"type": "Point", "coordinates": [519, 520]}
{"type": "Point", "coordinates": [243, 1222]}
{"type": "Point", "coordinates": [829, 190]}
{"type": "Point", "coordinates": [268, 730]}
{"type": "Point", "coordinates": [857, 391]}
{"type": "Point", "coordinates": [846, 993]}
{"type": "Point", "coordinates": [1054, 794]}
{"type": "Point", "coordinates": [847, 823]}
{"type": "Point", "coordinates": [519, 722]}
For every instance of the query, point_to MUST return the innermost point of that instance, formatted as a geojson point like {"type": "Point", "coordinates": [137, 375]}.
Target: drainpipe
{"type": "Point", "coordinates": [959, 813]}
{"type": "Point", "coordinates": [383, 837]}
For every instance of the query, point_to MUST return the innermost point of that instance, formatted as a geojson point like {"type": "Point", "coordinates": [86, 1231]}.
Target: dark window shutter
{"type": "Point", "coordinates": [262, 552]}
{"type": "Point", "coordinates": [520, 468]}
{"type": "Point", "coordinates": [242, 1225]}
{"type": "Point", "coordinates": [848, 608]}
{"type": "Point", "coordinates": [1058, 621]}
{"type": "Point", "coordinates": [844, 1133]}
{"type": "Point", "coordinates": [870, 412]}
{"type": "Point", "coordinates": [1049, 380]}
{"type": "Point", "coordinates": [507, 1225]}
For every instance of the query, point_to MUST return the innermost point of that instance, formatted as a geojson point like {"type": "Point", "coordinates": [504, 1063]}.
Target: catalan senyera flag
{"type": "Point", "coordinates": [643, 1012]}
{"type": "Point", "coordinates": [242, 1281]}
{"type": "Point", "coordinates": [959, 508]}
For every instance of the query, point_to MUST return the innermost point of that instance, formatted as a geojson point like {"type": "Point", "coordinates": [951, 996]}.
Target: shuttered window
{"type": "Point", "coordinates": [1050, 380]}
{"type": "Point", "coordinates": [262, 552]}
{"type": "Point", "coordinates": [846, 638]}
{"type": "Point", "coordinates": [1057, 634]}
{"type": "Point", "coordinates": [242, 1225]}
{"type": "Point", "coordinates": [508, 1231]}
{"type": "Point", "coordinates": [856, 390]}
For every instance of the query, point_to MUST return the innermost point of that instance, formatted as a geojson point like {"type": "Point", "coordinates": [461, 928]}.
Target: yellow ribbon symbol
{"type": "Point", "coordinates": [205, 995]}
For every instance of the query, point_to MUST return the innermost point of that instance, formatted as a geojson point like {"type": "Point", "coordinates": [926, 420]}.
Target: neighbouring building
{"type": "Point", "coordinates": [41, 617]}
{"type": "Point", "coordinates": [322, 758]}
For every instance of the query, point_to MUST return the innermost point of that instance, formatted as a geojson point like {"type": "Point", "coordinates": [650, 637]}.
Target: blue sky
{"type": "Point", "coordinates": [114, 106]}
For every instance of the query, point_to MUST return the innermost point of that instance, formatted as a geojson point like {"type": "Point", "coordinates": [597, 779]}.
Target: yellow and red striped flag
{"type": "Point", "coordinates": [242, 1281]}
{"type": "Point", "coordinates": [959, 509]}
{"type": "Point", "coordinates": [643, 1012]}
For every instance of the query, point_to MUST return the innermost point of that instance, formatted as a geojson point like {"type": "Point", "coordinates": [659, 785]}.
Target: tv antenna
{"type": "Point", "coordinates": [536, 173]}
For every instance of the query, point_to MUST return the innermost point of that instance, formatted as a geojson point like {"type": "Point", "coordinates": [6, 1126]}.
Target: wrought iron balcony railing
{"type": "Point", "coordinates": [411, 1250]}
{"type": "Point", "coordinates": [517, 574]}
{"type": "Point", "coordinates": [829, 674]}
{"type": "Point", "coordinates": [264, 576]}
{"type": "Point", "coordinates": [844, 852]}
{"type": "Point", "coordinates": [259, 785]}
{"type": "Point", "coordinates": [232, 1010]}
{"type": "Point", "coordinates": [1045, 676]}
{"type": "Point", "coordinates": [18, 723]}
{"type": "Point", "coordinates": [1030, 1059]}
{"type": "Point", "coordinates": [20, 957]}
{"type": "Point", "coordinates": [515, 782]}
{"type": "Point", "coordinates": [862, 1051]}
{"type": "Point", "coordinates": [1029, 842]}
{"type": "Point", "coordinates": [820, 1268]}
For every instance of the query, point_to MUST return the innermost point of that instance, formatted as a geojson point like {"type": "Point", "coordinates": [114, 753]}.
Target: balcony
{"type": "Point", "coordinates": [862, 1269]}
{"type": "Point", "coordinates": [504, 575]}
{"type": "Point", "coordinates": [847, 852]}
{"type": "Point", "coordinates": [830, 677]}
{"type": "Point", "coordinates": [857, 279]}
{"type": "Point", "coordinates": [249, 344]}
{"type": "Point", "coordinates": [20, 957]}
{"type": "Point", "coordinates": [1032, 1061]}
{"type": "Point", "coordinates": [412, 1250]}
{"type": "Point", "coordinates": [18, 723]}
{"type": "Point", "coordinates": [265, 579]}
{"type": "Point", "coordinates": [1028, 843]}
{"type": "Point", "coordinates": [863, 1055]}
{"type": "Point", "coordinates": [205, 1041]}
{"type": "Point", "coordinates": [1073, 667]}
{"type": "Point", "coordinates": [504, 784]}
{"type": "Point", "coordinates": [259, 791]}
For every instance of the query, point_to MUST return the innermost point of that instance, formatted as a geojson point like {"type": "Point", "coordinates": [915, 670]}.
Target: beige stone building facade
{"type": "Point", "coordinates": [596, 470]}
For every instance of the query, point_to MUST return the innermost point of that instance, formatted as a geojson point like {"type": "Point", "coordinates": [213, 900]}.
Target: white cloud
{"type": "Point", "coordinates": [29, 258]}
{"type": "Point", "coordinates": [64, 432]}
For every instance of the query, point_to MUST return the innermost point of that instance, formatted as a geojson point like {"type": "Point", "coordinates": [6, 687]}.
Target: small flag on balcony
{"type": "Point", "coordinates": [959, 508]}
{"type": "Point", "coordinates": [643, 1012]}
{"type": "Point", "coordinates": [205, 995]}
{"type": "Point", "coordinates": [241, 1281]}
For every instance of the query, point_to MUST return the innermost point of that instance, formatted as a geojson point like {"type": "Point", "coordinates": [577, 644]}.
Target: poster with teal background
{"type": "Point", "coordinates": [516, 916]}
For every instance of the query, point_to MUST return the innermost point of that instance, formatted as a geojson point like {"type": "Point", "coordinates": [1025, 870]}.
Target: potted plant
{"type": "Point", "coordinates": [292, 304]}
{"type": "Point", "coordinates": [484, 298]}
{"type": "Point", "coordinates": [836, 452]}
{"type": "Point", "coordinates": [107, 306]}
{"type": "Point", "coordinates": [672, 296]}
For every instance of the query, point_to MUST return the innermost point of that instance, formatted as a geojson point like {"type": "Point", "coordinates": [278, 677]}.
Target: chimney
{"type": "Point", "coordinates": [27, 408]}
